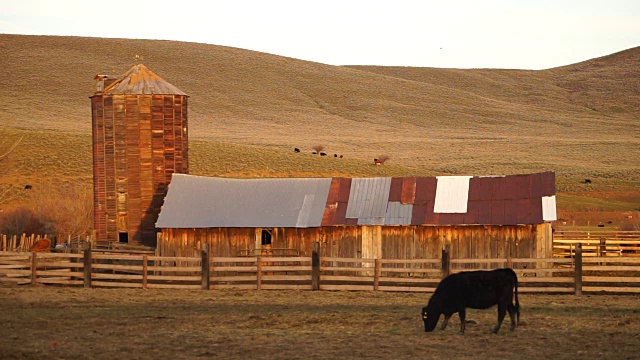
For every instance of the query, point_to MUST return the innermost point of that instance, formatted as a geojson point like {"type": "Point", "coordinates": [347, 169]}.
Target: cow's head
{"type": "Point", "coordinates": [430, 318]}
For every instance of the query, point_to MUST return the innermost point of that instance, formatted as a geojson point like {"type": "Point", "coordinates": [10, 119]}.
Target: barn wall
{"type": "Point", "coordinates": [386, 242]}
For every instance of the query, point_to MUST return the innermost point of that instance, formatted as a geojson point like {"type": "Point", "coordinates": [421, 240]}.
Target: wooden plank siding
{"type": "Point", "coordinates": [375, 242]}
{"type": "Point", "coordinates": [139, 141]}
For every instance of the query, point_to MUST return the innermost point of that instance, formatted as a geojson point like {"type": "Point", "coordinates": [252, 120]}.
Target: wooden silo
{"type": "Point", "coordinates": [139, 140]}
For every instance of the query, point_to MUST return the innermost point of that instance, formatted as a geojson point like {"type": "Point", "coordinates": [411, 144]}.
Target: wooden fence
{"type": "Point", "coordinates": [101, 268]}
{"type": "Point", "coordinates": [597, 243]}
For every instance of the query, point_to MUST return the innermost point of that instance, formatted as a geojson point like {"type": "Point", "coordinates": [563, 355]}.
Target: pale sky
{"type": "Point", "coordinates": [516, 34]}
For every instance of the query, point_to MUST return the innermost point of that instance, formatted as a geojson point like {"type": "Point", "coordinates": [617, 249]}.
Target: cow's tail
{"type": "Point", "coordinates": [517, 302]}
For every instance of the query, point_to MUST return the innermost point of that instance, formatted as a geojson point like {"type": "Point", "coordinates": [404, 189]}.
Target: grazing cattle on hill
{"type": "Point", "coordinates": [475, 290]}
{"type": "Point", "coordinates": [27, 187]}
{"type": "Point", "coordinates": [296, 150]}
{"type": "Point", "coordinates": [323, 154]}
{"type": "Point", "coordinates": [587, 181]}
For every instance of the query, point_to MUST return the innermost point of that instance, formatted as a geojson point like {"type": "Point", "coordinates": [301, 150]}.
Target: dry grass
{"type": "Point", "coordinates": [248, 110]}
{"type": "Point", "coordinates": [69, 323]}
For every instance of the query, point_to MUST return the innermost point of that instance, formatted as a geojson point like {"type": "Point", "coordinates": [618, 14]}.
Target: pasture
{"type": "Point", "coordinates": [48, 322]}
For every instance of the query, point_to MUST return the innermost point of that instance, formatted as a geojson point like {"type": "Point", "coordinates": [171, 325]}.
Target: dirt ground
{"type": "Point", "coordinates": [77, 323]}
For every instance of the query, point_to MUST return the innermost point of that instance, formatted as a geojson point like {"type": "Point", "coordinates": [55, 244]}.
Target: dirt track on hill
{"type": "Point", "coordinates": [77, 323]}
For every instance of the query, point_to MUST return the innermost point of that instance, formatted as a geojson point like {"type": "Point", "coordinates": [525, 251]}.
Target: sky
{"type": "Point", "coordinates": [515, 34]}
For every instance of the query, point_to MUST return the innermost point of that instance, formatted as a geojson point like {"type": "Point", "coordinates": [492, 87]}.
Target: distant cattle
{"type": "Point", "coordinates": [323, 154]}
{"type": "Point", "coordinates": [42, 245]}
{"type": "Point", "coordinates": [377, 162]}
{"type": "Point", "coordinates": [28, 187]}
{"type": "Point", "coordinates": [296, 150]}
{"type": "Point", "coordinates": [587, 181]}
{"type": "Point", "coordinates": [475, 290]}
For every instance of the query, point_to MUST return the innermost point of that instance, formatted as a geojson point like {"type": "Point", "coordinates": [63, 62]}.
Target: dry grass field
{"type": "Point", "coordinates": [75, 323]}
{"type": "Point", "coordinates": [248, 110]}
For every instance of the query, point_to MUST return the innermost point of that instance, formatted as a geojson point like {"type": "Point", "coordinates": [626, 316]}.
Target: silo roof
{"type": "Point", "coordinates": [205, 202]}
{"type": "Point", "coordinates": [140, 80]}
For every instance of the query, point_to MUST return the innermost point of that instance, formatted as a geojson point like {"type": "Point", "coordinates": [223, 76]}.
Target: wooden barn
{"type": "Point", "coordinates": [383, 218]}
{"type": "Point", "coordinates": [139, 124]}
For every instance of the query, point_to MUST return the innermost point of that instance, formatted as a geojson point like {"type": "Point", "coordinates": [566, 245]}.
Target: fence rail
{"type": "Point", "coordinates": [597, 243]}
{"type": "Point", "coordinates": [92, 268]}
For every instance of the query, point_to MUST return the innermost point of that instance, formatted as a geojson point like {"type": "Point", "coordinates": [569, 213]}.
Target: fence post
{"type": "Point", "coordinates": [446, 260]}
{"type": "Point", "coordinates": [259, 272]}
{"type": "Point", "coordinates": [578, 269]}
{"type": "Point", "coordinates": [145, 270]}
{"type": "Point", "coordinates": [204, 253]}
{"type": "Point", "coordinates": [34, 267]}
{"type": "Point", "coordinates": [315, 266]}
{"type": "Point", "coordinates": [87, 265]}
{"type": "Point", "coordinates": [376, 274]}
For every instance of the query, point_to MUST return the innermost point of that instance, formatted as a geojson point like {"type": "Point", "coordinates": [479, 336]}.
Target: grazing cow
{"type": "Point", "coordinates": [28, 187]}
{"type": "Point", "coordinates": [587, 181]}
{"type": "Point", "coordinates": [296, 150]}
{"type": "Point", "coordinates": [475, 290]}
{"type": "Point", "coordinates": [377, 162]}
{"type": "Point", "coordinates": [323, 154]}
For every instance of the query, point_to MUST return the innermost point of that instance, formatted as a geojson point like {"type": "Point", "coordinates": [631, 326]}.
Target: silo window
{"type": "Point", "coordinates": [123, 237]}
{"type": "Point", "coordinates": [266, 237]}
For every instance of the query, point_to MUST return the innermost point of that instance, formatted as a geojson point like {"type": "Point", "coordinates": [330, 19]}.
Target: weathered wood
{"type": "Point", "coordinates": [87, 265]}
{"type": "Point", "coordinates": [347, 287]}
{"type": "Point", "coordinates": [259, 273]}
{"type": "Point", "coordinates": [446, 263]}
{"type": "Point", "coordinates": [611, 289]}
{"type": "Point", "coordinates": [205, 263]}
{"type": "Point", "coordinates": [104, 276]}
{"type": "Point", "coordinates": [346, 278]}
{"type": "Point", "coordinates": [34, 268]}
{"type": "Point", "coordinates": [412, 270]}
{"type": "Point", "coordinates": [145, 271]}
{"type": "Point", "coordinates": [578, 269]}
{"type": "Point", "coordinates": [315, 266]}
{"type": "Point", "coordinates": [407, 289]}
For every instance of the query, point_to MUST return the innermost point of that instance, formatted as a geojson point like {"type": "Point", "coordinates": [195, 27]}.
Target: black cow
{"type": "Point", "coordinates": [475, 290]}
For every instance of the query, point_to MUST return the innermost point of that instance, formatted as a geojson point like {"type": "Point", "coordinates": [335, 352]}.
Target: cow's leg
{"type": "Point", "coordinates": [512, 316]}
{"type": "Point", "coordinates": [463, 322]}
{"type": "Point", "coordinates": [446, 321]}
{"type": "Point", "coordinates": [502, 312]}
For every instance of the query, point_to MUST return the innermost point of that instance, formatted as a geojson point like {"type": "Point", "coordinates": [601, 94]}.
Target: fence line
{"type": "Point", "coordinates": [94, 268]}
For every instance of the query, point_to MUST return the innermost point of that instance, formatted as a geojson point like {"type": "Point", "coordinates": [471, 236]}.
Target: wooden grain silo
{"type": "Point", "coordinates": [139, 140]}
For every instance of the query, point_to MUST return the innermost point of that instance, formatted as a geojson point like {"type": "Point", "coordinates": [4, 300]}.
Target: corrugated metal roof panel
{"type": "Point", "coordinates": [398, 213]}
{"type": "Point", "coordinates": [408, 190]}
{"type": "Point", "coordinates": [451, 200]}
{"type": "Point", "coordinates": [202, 202]}
{"type": "Point", "coordinates": [140, 80]}
{"type": "Point", "coordinates": [510, 212]}
{"type": "Point", "coordinates": [368, 200]}
{"type": "Point", "coordinates": [549, 208]}
{"type": "Point", "coordinates": [395, 192]}
{"type": "Point", "coordinates": [452, 194]}
{"type": "Point", "coordinates": [425, 189]}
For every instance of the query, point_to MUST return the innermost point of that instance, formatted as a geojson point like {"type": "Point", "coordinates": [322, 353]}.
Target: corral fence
{"type": "Point", "coordinates": [115, 269]}
{"type": "Point", "coordinates": [597, 243]}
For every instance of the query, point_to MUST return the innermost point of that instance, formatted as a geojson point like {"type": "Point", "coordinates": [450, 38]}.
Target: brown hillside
{"type": "Point", "coordinates": [580, 120]}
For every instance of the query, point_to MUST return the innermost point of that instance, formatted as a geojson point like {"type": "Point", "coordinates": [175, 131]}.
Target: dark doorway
{"type": "Point", "coordinates": [123, 237]}
{"type": "Point", "coordinates": [266, 237]}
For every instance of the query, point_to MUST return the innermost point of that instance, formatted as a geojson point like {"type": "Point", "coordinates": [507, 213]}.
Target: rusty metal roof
{"type": "Point", "coordinates": [140, 80]}
{"type": "Point", "coordinates": [194, 201]}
